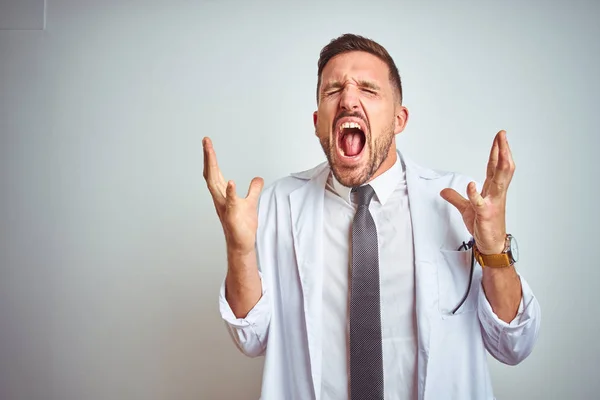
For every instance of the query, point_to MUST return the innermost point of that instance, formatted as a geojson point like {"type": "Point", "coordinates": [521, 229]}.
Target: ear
{"type": "Point", "coordinates": [401, 119]}
{"type": "Point", "coordinates": [315, 119]}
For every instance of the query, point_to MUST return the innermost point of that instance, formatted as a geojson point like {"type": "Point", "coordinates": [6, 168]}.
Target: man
{"type": "Point", "coordinates": [349, 277]}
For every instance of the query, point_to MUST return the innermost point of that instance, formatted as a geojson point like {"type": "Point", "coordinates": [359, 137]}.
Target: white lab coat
{"type": "Point", "coordinates": [285, 325]}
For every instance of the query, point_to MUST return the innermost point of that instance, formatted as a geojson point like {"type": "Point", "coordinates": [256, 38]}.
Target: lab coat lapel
{"type": "Point", "coordinates": [306, 206]}
{"type": "Point", "coordinates": [424, 220]}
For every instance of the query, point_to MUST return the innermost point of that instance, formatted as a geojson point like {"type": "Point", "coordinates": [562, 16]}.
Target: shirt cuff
{"type": "Point", "coordinates": [255, 315]}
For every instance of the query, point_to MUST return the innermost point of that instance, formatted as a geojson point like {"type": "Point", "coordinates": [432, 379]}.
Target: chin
{"type": "Point", "coordinates": [351, 176]}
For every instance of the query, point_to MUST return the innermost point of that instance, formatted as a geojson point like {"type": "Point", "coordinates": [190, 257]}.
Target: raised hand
{"type": "Point", "coordinates": [484, 213]}
{"type": "Point", "coordinates": [238, 215]}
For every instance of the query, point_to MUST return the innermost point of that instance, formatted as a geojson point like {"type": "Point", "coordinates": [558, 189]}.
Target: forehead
{"type": "Point", "coordinates": [356, 65]}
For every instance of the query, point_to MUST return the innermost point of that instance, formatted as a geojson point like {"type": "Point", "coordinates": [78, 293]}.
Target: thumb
{"type": "Point", "coordinates": [255, 188]}
{"type": "Point", "coordinates": [454, 198]}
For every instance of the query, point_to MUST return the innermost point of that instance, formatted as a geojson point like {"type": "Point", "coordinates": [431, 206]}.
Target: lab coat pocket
{"type": "Point", "coordinates": [454, 271]}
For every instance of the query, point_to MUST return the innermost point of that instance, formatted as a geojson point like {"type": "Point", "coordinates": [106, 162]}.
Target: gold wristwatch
{"type": "Point", "coordinates": [505, 259]}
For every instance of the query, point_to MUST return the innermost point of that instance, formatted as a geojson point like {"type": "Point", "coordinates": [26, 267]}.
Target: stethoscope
{"type": "Point", "coordinates": [467, 246]}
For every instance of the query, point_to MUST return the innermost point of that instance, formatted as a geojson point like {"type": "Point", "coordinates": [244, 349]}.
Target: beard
{"type": "Point", "coordinates": [351, 177]}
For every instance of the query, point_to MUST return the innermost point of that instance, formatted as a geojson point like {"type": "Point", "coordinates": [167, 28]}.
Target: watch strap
{"type": "Point", "coordinates": [492, 260]}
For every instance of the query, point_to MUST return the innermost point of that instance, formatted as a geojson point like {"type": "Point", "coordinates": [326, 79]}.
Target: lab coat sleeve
{"type": "Point", "coordinates": [510, 343]}
{"type": "Point", "coordinates": [250, 333]}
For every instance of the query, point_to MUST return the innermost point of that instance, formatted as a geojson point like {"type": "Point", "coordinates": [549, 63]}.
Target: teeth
{"type": "Point", "coordinates": [347, 125]}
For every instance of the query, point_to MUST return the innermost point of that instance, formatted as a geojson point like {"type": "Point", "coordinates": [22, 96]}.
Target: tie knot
{"type": "Point", "coordinates": [364, 194]}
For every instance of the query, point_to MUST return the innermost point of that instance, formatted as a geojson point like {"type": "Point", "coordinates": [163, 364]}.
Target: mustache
{"type": "Point", "coordinates": [350, 114]}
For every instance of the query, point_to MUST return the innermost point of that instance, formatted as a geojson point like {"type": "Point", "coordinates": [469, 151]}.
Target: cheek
{"type": "Point", "coordinates": [323, 125]}
{"type": "Point", "coordinates": [380, 124]}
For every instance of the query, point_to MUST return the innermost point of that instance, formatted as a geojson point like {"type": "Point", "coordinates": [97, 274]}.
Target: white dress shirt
{"type": "Point", "coordinates": [390, 210]}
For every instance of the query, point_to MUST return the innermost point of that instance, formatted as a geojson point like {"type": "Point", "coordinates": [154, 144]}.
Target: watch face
{"type": "Point", "coordinates": [514, 249]}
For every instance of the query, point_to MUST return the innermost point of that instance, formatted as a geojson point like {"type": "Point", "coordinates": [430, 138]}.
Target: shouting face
{"type": "Point", "coordinates": [359, 114]}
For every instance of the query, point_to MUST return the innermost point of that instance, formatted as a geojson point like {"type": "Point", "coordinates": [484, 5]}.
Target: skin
{"type": "Point", "coordinates": [356, 87]}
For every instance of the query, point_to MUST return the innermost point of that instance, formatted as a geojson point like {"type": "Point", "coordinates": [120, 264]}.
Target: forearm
{"type": "Point", "coordinates": [242, 283]}
{"type": "Point", "coordinates": [502, 287]}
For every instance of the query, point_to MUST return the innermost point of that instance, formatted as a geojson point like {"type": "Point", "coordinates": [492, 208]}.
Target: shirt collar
{"type": "Point", "coordinates": [384, 185]}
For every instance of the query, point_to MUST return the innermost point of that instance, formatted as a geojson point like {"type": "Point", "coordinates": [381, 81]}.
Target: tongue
{"type": "Point", "coordinates": [352, 143]}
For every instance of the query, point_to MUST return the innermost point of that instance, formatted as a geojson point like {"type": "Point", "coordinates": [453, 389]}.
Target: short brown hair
{"type": "Point", "coordinates": [351, 42]}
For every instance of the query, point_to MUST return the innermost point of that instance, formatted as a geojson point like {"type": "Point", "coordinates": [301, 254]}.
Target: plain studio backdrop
{"type": "Point", "coordinates": [111, 253]}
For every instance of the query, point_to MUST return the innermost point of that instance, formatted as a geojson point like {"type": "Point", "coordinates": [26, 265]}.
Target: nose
{"type": "Point", "coordinates": [349, 99]}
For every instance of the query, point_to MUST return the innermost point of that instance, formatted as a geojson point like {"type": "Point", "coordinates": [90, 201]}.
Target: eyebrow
{"type": "Point", "coordinates": [368, 85]}
{"type": "Point", "coordinates": [361, 83]}
{"type": "Point", "coordinates": [331, 85]}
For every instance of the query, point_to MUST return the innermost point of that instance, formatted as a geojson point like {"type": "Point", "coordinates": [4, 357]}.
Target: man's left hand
{"type": "Point", "coordinates": [484, 213]}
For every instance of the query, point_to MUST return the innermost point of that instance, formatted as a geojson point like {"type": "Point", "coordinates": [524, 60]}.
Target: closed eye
{"type": "Point", "coordinates": [368, 87]}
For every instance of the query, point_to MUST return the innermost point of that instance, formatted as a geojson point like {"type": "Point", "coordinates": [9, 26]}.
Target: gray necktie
{"type": "Point", "coordinates": [366, 361]}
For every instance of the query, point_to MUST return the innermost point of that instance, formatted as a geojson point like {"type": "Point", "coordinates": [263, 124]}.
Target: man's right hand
{"type": "Point", "coordinates": [239, 216]}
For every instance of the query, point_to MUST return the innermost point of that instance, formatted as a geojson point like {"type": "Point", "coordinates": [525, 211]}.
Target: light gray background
{"type": "Point", "coordinates": [111, 253]}
{"type": "Point", "coordinates": [22, 14]}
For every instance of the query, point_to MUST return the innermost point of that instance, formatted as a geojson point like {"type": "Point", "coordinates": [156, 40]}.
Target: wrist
{"type": "Point", "coordinates": [495, 256]}
{"type": "Point", "coordinates": [239, 252]}
{"type": "Point", "coordinates": [496, 244]}
{"type": "Point", "coordinates": [490, 250]}
{"type": "Point", "coordinates": [237, 248]}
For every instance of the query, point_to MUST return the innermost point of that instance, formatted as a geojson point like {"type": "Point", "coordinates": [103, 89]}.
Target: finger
{"type": "Point", "coordinates": [504, 169]}
{"type": "Point", "coordinates": [491, 166]}
{"type": "Point", "coordinates": [206, 145]}
{"type": "Point", "coordinates": [454, 198]}
{"type": "Point", "coordinates": [210, 159]}
{"type": "Point", "coordinates": [231, 198]}
{"type": "Point", "coordinates": [510, 156]}
{"type": "Point", "coordinates": [255, 188]}
{"type": "Point", "coordinates": [205, 157]}
{"type": "Point", "coordinates": [493, 160]}
{"type": "Point", "coordinates": [212, 173]}
{"type": "Point", "coordinates": [475, 198]}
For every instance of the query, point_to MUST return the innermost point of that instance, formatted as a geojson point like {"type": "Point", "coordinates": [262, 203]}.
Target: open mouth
{"type": "Point", "coordinates": [351, 139]}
